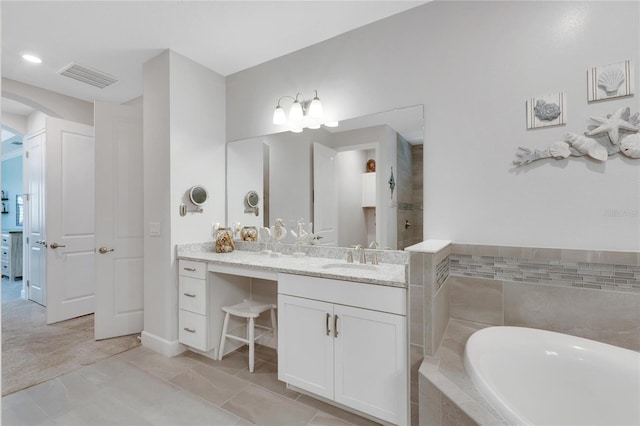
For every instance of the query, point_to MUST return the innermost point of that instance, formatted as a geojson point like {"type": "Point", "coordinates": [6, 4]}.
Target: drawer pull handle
{"type": "Point", "coordinates": [335, 326]}
{"type": "Point", "coordinates": [327, 325]}
{"type": "Point", "coordinates": [189, 330]}
{"type": "Point", "coordinates": [189, 294]}
{"type": "Point", "coordinates": [190, 269]}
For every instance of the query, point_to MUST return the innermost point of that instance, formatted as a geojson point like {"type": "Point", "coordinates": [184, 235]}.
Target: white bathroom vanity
{"type": "Point", "coordinates": [342, 327]}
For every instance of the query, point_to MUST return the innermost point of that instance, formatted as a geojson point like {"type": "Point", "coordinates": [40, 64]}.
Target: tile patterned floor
{"type": "Point", "coordinates": [141, 387]}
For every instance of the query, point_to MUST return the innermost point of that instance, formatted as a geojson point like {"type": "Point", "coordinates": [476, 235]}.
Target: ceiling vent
{"type": "Point", "coordinates": [88, 75]}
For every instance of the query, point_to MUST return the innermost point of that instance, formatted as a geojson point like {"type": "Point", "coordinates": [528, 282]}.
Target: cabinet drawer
{"type": "Point", "coordinates": [189, 268]}
{"type": "Point", "coordinates": [193, 295]}
{"type": "Point", "coordinates": [367, 296]}
{"type": "Point", "coordinates": [193, 330]}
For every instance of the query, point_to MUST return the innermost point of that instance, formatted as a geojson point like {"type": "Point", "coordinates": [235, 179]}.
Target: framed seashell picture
{"type": "Point", "coordinates": [610, 81]}
{"type": "Point", "coordinates": [546, 110]}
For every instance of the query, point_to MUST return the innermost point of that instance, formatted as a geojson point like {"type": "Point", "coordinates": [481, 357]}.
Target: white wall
{"type": "Point", "coordinates": [290, 178]}
{"type": "Point", "coordinates": [15, 122]}
{"type": "Point", "coordinates": [473, 65]}
{"type": "Point", "coordinates": [351, 216]}
{"type": "Point", "coordinates": [51, 103]}
{"type": "Point", "coordinates": [183, 146]}
{"type": "Point", "coordinates": [245, 172]}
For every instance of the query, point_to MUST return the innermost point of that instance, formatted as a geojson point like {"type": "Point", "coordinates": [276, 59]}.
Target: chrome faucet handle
{"type": "Point", "coordinates": [349, 256]}
{"type": "Point", "coordinates": [363, 259]}
{"type": "Point", "coordinates": [374, 257]}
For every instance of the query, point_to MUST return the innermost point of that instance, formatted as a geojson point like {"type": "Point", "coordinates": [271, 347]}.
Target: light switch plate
{"type": "Point", "coordinates": [154, 229]}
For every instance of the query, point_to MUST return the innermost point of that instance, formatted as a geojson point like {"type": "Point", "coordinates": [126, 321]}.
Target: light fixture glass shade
{"type": "Point", "coordinates": [296, 113]}
{"type": "Point", "coordinates": [32, 58]}
{"type": "Point", "coordinates": [314, 126]}
{"type": "Point", "coordinates": [315, 109]}
{"type": "Point", "coordinates": [297, 130]}
{"type": "Point", "coordinates": [279, 116]}
{"type": "Point", "coordinates": [332, 123]}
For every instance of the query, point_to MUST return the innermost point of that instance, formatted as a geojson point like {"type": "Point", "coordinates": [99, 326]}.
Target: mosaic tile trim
{"type": "Point", "coordinates": [600, 276]}
{"type": "Point", "coordinates": [442, 272]}
{"type": "Point", "coordinates": [410, 206]}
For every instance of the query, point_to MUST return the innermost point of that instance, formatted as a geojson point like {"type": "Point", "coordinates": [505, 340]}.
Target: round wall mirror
{"type": "Point", "coordinates": [252, 198]}
{"type": "Point", "coordinates": [198, 195]}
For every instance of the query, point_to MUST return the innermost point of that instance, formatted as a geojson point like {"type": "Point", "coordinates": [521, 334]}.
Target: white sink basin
{"type": "Point", "coordinates": [360, 266]}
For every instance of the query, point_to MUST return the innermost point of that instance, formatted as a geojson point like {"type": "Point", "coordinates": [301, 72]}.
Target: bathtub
{"type": "Point", "coordinates": [537, 377]}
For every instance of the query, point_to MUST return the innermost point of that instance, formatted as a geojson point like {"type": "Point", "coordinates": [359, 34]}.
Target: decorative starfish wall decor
{"type": "Point", "coordinates": [618, 133]}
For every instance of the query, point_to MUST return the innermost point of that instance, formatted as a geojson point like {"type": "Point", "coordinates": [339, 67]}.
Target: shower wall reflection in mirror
{"type": "Point", "coordinates": [321, 176]}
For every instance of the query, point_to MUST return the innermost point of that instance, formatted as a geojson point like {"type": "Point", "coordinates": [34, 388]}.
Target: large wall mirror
{"type": "Point", "coordinates": [326, 176]}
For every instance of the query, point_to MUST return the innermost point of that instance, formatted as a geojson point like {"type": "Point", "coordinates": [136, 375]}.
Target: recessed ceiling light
{"type": "Point", "coordinates": [32, 58]}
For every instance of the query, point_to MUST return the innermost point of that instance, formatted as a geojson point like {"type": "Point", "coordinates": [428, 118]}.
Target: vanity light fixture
{"type": "Point", "coordinates": [297, 130]}
{"type": "Point", "coordinates": [32, 58]}
{"type": "Point", "coordinates": [332, 123]}
{"type": "Point", "coordinates": [298, 110]}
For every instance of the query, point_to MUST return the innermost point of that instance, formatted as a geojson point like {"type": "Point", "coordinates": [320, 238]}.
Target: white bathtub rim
{"type": "Point", "coordinates": [489, 394]}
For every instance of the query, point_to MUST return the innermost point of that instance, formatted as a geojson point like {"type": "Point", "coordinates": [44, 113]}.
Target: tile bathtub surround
{"type": "Point", "coordinates": [609, 317]}
{"type": "Point", "coordinates": [598, 276]}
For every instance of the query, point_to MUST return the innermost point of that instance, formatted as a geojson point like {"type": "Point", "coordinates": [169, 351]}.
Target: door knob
{"type": "Point", "coordinates": [56, 245]}
{"type": "Point", "coordinates": [104, 250]}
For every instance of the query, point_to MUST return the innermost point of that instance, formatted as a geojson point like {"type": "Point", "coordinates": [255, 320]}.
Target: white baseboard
{"type": "Point", "coordinates": [165, 347]}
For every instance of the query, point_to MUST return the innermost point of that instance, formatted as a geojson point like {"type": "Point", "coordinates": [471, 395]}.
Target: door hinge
{"type": "Point", "coordinates": [28, 284]}
{"type": "Point", "coordinates": [26, 153]}
{"type": "Point", "coordinates": [27, 240]}
{"type": "Point", "coordinates": [27, 195]}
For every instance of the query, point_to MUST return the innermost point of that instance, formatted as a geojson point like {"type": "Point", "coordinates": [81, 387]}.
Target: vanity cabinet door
{"type": "Point", "coordinates": [370, 362]}
{"type": "Point", "coordinates": [305, 344]}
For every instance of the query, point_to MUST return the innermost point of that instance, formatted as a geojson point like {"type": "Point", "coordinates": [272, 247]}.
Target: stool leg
{"type": "Point", "coordinates": [251, 344]}
{"type": "Point", "coordinates": [225, 324]}
{"type": "Point", "coordinates": [273, 325]}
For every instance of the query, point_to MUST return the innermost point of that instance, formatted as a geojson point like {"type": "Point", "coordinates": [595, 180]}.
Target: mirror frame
{"type": "Point", "coordinates": [196, 188]}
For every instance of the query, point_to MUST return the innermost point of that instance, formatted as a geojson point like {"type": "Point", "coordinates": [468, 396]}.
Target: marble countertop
{"type": "Point", "coordinates": [387, 274]}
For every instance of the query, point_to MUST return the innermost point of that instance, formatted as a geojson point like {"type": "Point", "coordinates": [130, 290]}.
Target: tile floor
{"type": "Point", "coordinates": [141, 387]}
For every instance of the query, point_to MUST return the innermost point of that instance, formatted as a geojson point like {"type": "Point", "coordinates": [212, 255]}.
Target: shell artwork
{"type": "Point", "coordinates": [587, 146]}
{"type": "Point", "coordinates": [617, 133]}
{"type": "Point", "coordinates": [545, 111]}
{"type": "Point", "coordinates": [610, 80]}
{"type": "Point", "coordinates": [559, 150]}
{"type": "Point", "coordinates": [630, 146]}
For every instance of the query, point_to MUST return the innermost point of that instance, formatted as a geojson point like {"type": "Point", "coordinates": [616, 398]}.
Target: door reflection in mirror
{"type": "Point", "coordinates": [285, 171]}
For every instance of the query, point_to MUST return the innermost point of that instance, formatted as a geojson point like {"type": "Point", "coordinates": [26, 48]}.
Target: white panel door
{"type": "Point", "coordinates": [325, 195]}
{"type": "Point", "coordinates": [119, 220]}
{"type": "Point", "coordinates": [370, 362]}
{"type": "Point", "coordinates": [69, 217]}
{"type": "Point", "coordinates": [305, 344]}
{"type": "Point", "coordinates": [35, 262]}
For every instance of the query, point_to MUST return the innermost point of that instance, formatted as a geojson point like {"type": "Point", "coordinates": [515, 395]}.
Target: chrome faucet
{"type": "Point", "coordinates": [374, 254]}
{"type": "Point", "coordinates": [358, 247]}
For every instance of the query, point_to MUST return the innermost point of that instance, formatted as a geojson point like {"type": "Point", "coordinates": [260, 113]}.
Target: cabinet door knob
{"type": "Point", "coordinates": [327, 325]}
{"type": "Point", "coordinates": [335, 326]}
{"type": "Point", "coordinates": [189, 330]}
{"type": "Point", "coordinates": [56, 245]}
{"type": "Point", "coordinates": [189, 294]}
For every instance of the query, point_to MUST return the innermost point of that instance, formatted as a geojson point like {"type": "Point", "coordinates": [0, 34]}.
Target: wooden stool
{"type": "Point", "coordinates": [250, 310]}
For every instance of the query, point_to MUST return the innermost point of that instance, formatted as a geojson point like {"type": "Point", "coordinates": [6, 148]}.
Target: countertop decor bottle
{"type": "Point", "coordinates": [224, 240]}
